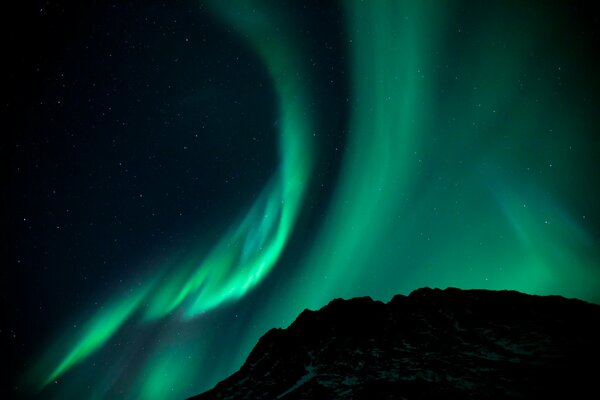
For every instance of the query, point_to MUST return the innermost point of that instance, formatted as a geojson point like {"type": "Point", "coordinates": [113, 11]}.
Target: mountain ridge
{"type": "Point", "coordinates": [430, 344]}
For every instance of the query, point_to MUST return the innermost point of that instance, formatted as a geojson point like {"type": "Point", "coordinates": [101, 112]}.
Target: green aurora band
{"type": "Point", "coordinates": [251, 248]}
{"type": "Point", "coordinates": [466, 165]}
{"type": "Point", "coordinates": [458, 168]}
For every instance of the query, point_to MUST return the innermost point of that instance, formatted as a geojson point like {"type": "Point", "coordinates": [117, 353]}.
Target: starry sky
{"type": "Point", "coordinates": [180, 177]}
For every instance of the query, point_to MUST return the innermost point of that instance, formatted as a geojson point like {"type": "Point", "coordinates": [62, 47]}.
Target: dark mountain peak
{"type": "Point", "coordinates": [430, 344]}
{"type": "Point", "coordinates": [339, 314]}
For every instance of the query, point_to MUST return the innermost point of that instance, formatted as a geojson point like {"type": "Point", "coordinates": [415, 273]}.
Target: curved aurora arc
{"type": "Point", "coordinates": [246, 253]}
{"type": "Point", "coordinates": [429, 191]}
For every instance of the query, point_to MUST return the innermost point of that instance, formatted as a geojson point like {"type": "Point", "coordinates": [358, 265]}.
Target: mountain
{"type": "Point", "coordinates": [452, 343]}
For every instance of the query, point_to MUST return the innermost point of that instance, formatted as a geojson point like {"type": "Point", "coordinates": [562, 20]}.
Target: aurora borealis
{"type": "Point", "coordinates": [186, 176]}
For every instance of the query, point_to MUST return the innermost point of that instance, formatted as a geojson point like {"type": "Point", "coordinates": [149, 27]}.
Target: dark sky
{"type": "Point", "coordinates": [179, 177]}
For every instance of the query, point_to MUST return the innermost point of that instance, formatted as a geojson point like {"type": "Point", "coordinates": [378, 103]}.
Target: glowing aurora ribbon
{"type": "Point", "coordinates": [250, 249]}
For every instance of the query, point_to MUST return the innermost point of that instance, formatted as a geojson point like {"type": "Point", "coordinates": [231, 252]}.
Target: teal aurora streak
{"type": "Point", "coordinates": [469, 163]}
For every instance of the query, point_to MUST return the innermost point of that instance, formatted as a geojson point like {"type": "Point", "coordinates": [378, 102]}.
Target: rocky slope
{"type": "Point", "coordinates": [431, 344]}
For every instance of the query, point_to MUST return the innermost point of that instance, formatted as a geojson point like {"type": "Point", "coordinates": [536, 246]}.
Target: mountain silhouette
{"type": "Point", "coordinates": [452, 343]}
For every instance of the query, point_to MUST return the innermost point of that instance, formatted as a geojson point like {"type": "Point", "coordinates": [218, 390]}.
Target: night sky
{"type": "Point", "coordinates": [180, 177]}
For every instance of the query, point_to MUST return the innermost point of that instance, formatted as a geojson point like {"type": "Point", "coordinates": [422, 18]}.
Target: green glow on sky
{"type": "Point", "coordinates": [167, 374]}
{"type": "Point", "coordinates": [463, 167]}
{"type": "Point", "coordinates": [252, 247]}
{"type": "Point", "coordinates": [97, 332]}
{"type": "Point", "coordinates": [451, 177]}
